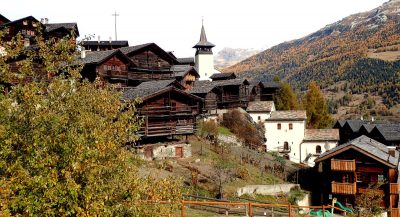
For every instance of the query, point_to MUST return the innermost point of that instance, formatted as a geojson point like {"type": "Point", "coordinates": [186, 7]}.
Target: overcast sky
{"type": "Point", "coordinates": [175, 24]}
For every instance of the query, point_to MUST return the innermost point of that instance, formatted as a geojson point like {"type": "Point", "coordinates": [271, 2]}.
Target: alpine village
{"type": "Point", "coordinates": [309, 127]}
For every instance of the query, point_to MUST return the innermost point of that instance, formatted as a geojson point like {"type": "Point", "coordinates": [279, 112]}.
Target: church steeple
{"type": "Point", "coordinates": [203, 46]}
{"type": "Point", "coordinates": [204, 61]}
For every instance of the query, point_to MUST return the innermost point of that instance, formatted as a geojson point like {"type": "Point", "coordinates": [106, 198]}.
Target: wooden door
{"type": "Point", "coordinates": [179, 152]}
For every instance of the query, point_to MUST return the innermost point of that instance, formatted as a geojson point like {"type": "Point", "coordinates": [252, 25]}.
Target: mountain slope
{"type": "Point", "coordinates": [360, 52]}
{"type": "Point", "coordinates": [229, 56]}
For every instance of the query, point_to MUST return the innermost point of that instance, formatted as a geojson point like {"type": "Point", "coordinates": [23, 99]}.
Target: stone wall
{"type": "Point", "coordinates": [165, 151]}
{"type": "Point", "coordinates": [266, 189]}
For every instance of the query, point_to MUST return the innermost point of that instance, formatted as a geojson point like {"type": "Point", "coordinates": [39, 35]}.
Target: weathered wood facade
{"type": "Point", "coordinates": [350, 169]}
{"type": "Point", "coordinates": [167, 111]}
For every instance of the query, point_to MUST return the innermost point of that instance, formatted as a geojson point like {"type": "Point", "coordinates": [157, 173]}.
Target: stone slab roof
{"type": "Point", "coordinates": [296, 115]}
{"type": "Point", "coordinates": [367, 146]}
{"type": "Point", "coordinates": [321, 135]}
{"type": "Point", "coordinates": [260, 106]}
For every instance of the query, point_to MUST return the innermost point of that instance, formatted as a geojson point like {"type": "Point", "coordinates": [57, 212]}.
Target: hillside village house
{"type": "Point", "coordinates": [260, 111]}
{"type": "Point", "coordinates": [349, 169]}
{"type": "Point", "coordinates": [286, 133]}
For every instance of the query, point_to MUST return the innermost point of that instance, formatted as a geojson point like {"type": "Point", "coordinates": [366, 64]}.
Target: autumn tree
{"type": "Point", "coordinates": [316, 107]}
{"type": "Point", "coordinates": [286, 98]}
{"type": "Point", "coordinates": [62, 138]}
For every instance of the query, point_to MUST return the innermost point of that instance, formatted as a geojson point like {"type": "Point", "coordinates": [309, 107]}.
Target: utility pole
{"type": "Point", "coordinates": [115, 23]}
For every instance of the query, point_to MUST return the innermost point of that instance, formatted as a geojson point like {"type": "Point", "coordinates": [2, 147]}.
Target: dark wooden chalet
{"type": "Point", "coordinates": [110, 66]}
{"type": "Point", "coordinates": [166, 109]}
{"type": "Point", "coordinates": [208, 92]}
{"type": "Point", "coordinates": [186, 75]}
{"type": "Point", "coordinates": [349, 169]}
{"type": "Point", "coordinates": [263, 90]}
{"type": "Point", "coordinates": [223, 94]}
{"type": "Point", "coordinates": [28, 27]}
{"type": "Point", "coordinates": [186, 61]}
{"type": "Point", "coordinates": [150, 62]}
{"type": "Point", "coordinates": [103, 45]}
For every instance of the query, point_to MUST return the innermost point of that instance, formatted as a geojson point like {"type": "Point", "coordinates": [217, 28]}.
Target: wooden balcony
{"type": "Point", "coordinates": [343, 165]}
{"type": "Point", "coordinates": [394, 188]}
{"type": "Point", "coordinates": [344, 188]}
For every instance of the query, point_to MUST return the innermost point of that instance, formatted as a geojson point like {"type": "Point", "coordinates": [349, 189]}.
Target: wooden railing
{"type": "Point", "coordinates": [344, 188]}
{"type": "Point", "coordinates": [343, 165]}
{"type": "Point", "coordinates": [394, 188]}
{"type": "Point", "coordinates": [162, 129]}
{"type": "Point", "coordinates": [189, 110]}
{"type": "Point", "coordinates": [395, 212]}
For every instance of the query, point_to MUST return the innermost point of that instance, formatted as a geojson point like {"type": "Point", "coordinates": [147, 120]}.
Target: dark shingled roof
{"type": "Point", "coordinates": [106, 43]}
{"type": "Point", "coordinates": [288, 115]}
{"type": "Point", "coordinates": [158, 84]}
{"type": "Point", "coordinates": [367, 145]}
{"type": "Point", "coordinates": [181, 70]}
{"type": "Point", "coordinates": [96, 57]}
{"type": "Point", "coordinates": [321, 135]}
{"type": "Point", "coordinates": [19, 20]}
{"type": "Point", "coordinates": [222, 75]}
{"type": "Point", "coordinates": [391, 132]}
{"type": "Point", "coordinates": [186, 60]}
{"type": "Point", "coordinates": [207, 86]}
{"type": "Point", "coordinates": [202, 87]}
{"type": "Point", "coordinates": [4, 19]}
{"type": "Point", "coordinates": [340, 123]}
{"type": "Point", "coordinates": [133, 93]}
{"type": "Point", "coordinates": [260, 106]}
{"type": "Point", "coordinates": [130, 49]}
{"type": "Point", "coordinates": [53, 26]}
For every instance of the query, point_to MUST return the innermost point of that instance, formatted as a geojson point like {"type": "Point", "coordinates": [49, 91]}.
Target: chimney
{"type": "Point", "coordinates": [110, 39]}
{"type": "Point", "coordinates": [83, 53]}
{"type": "Point", "coordinates": [372, 119]}
{"type": "Point", "coordinates": [391, 151]}
{"type": "Point", "coordinates": [98, 39]}
{"type": "Point", "coordinates": [46, 20]}
{"type": "Point", "coordinates": [42, 20]}
{"type": "Point", "coordinates": [362, 118]}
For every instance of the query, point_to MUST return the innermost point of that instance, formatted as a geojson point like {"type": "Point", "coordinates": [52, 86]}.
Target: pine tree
{"type": "Point", "coordinates": [286, 98]}
{"type": "Point", "coordinates": [316, 107]}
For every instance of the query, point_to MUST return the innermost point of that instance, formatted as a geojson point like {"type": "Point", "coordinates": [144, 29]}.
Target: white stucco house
{"type": "Point", "coordinates": [316, 142]}
{"type": "Point", "coordinates": [286, 133]}
{"type": "Point", "coordinates": [259, 111]}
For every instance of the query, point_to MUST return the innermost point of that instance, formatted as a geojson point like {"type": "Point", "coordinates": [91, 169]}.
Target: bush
{"type": "Point", "coordinates": [243, 173]}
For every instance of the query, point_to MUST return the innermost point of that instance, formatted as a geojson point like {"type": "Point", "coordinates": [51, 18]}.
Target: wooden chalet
{"type": "Point", "coordinates": [388, 134]}
{"type": "Point", "coordinates": [185, 75]}
{"type": "Point", "coordinates": [208, 92]}
{"type": "Point", "coordinates": [166, 109]}
{"type": "Point", "coordinates": [222, 94]}
{"type": "Point", "coordinates": [150, 62]}
{"type": "Point", "coordinates": [349, 169]}
{"type": "Point", "coordinates": [110, 66]}
{"type": "Point", "coordinates": [103, 45]}
{"type": "Point", "coordinates": [28, 27]}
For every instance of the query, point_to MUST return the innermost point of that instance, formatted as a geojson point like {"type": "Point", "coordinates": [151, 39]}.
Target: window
{"type": "Point", "coordinates": [105, 67]}
{"type": "Point", "coordinates": [318, 149]}
{"type": "Point", "coordinates": [279, 126]}
{"type": "Point", "coordinates": [259, 118]}
{"type": "Point", "coordinates": [23, 31]}
{"type": "Point", "coordinates": [290, 126]}
{"type": "Point", "coordinates": [25, 22]}
{"type": "Point", "coordinates": [358, 177]}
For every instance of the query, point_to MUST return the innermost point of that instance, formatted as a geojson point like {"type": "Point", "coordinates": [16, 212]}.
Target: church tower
{"type": "Point", "coordinates": [204, 60]}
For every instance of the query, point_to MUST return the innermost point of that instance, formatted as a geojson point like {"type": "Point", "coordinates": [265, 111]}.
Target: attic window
{"type": "Point", "coordinates": [259, 118]}
{"type": "Point", "coordinates": [279, 126]}
{"type": "Point", "coordinates": [25, 22]}
{"type": "Point", "coordinates": [34, 24]}
{"type": "Point", "coordinates": [318, 149]}
{"type": "Point", "coordinates": [290, 126]}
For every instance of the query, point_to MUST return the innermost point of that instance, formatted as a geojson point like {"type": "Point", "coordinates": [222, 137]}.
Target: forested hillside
{"type": "Point", "coordinates": [360, 52]}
